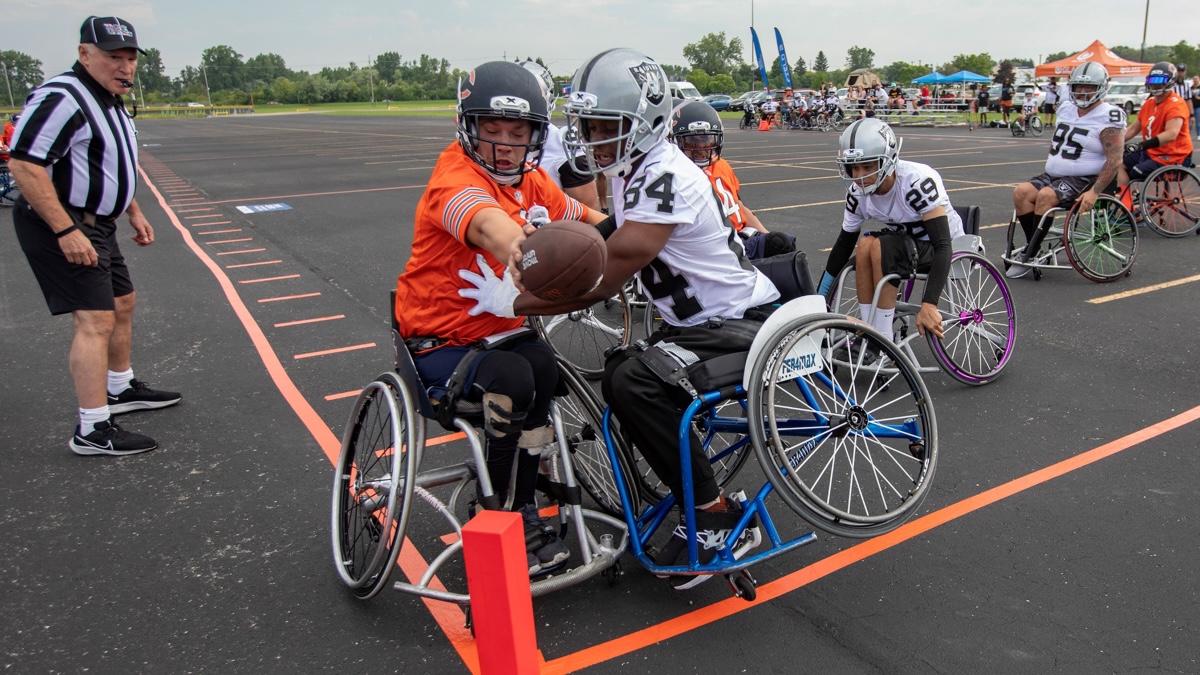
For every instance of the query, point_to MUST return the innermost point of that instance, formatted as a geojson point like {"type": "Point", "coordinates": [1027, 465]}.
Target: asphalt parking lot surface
{"type": "Point", "coordinates": [1059, 533]}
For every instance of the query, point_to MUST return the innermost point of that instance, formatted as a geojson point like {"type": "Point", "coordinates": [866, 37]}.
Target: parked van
{"type": "Point", "coordinates": [685, 90]}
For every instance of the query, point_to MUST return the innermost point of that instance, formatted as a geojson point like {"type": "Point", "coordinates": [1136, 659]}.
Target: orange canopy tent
{"type": "Point", "coordinates": [1099, 53]}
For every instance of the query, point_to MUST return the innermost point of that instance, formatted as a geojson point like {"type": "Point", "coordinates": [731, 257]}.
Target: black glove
{"type": "Point", "coordinates": [1133, 148]}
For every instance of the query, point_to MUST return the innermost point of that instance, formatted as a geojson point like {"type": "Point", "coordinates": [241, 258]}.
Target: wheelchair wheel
{"type": "Point", "coordinates": [852, 452]}
{"type": "Point", "coordinates": [584, 337]}
{"type": "Point", "coordinates": [979, 321]}
{"type": "Point", "coordinates": [373, 486]}
{"type": "Point", "coordinates": [744, 124]}
{"type": "Point", "coordinates": [1016, 241]}
{"type": "Point", "coordinates": [9, 193]}
{"type": "Point", "coordinates": [581, 415]}
{"type": "Point", "coordinates": [1035, 125]}
{"type": "Point", "coordinates": [1102, 243]}
{"type": "Point", "coordinates": [1170, 201]}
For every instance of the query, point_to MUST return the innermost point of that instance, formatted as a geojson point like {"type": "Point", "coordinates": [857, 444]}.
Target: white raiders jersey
{"type": "Point", "coordinates": [918, 190]}
{"type": "Point", "coordinates": [702, 272]}
{"type": "Point", "coordinates": [554, 155]}
{"type": "Point", "coordinates": [1075, 148]}
{"type": "Point", "coordinates": [1028, 107]}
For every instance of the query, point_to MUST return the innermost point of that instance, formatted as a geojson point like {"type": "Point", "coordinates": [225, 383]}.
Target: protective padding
{"type": "Point", "coordinates": [789, 311]}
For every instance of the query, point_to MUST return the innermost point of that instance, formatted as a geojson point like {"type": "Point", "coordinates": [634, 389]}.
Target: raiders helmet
{"type": "Point", "coordinates": [698, 131]}
{"type": "Point", "coordinates": [868, 141]}
{"type": "Point", "coordinates": [499, 89]}
{"type": "Point", "coordinates": [1160, 78]}
{"type": "Point", "coordinates": [623, 86]}
{"type": "Point", "coordinates": [546, 80]}
{"type": "Point", "coordinates": [1089, 73]}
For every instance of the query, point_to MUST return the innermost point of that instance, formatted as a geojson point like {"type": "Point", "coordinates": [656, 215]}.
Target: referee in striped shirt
{"type": "Point", "coordinates": [1182, 86]}
{"type": "Point", "coordinates": [74, 156]}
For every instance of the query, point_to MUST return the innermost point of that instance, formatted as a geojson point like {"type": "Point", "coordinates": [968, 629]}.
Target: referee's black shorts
{"type": "Point", "coordinates": [69, 287]}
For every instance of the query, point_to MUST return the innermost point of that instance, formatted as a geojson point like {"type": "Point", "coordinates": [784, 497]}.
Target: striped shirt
{"type": "Point", "coordinates": [85, 139]}
{"type": "Point", "coordinates": [1184, 89]}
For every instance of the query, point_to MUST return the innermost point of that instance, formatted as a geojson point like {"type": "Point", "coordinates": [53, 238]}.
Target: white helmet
{"type": "Point", "coordinates": [1090, 73]}
{"type": "Point", "coordinates": [868, 140]}
{"type": "Point", "coordinates": [547, 81]}
{"type": "Point", "coordinates": [620, 85]}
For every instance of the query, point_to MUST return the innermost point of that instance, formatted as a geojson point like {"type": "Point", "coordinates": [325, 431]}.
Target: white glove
{"type": "Point", "coordinates": [537, 216]}
{"type": "Point", "coordinates": [491, 293]}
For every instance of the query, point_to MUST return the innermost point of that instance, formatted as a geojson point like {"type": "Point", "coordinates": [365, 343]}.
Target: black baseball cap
{"type": "Point", "coordinates": [1181, 66]}
{"type": "Point", "coordinates": [109, 33]}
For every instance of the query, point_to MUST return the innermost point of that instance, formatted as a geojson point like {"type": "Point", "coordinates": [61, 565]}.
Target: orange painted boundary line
{"type": "Point", "coordinates": [207, 215]}
{"type": "Point", "coordinates": [219, 231]}
{"type": "Point", "coordinates": [265, 262]}
{"type": "Point", "coordinates": [822, 568]}
{"type": "Point", "coordinates": [259, 281]}
{"type": "Point", "coordinates": [339, 350]}
{"type": "Point", "coordinates": [215, 222]}
{"type": "Point", "coordinates": [230, 241]}
{"type": "Point", "coordinates": [248, 250]}
{"type": "Point", "coordinates": [457, 436]}
{"type": "Point", "coordinates": [449, 617]}
{"type": "Point", "coordinates": [344, 394]}
{"type": "Point", "coordinates": [285, 324]}
{"type": "Point", "coordinates": [198, 210]}
{"type": "Point", "coordinates": [289, 297]}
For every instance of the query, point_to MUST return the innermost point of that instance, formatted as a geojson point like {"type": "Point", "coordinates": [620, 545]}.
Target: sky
{"type": "Point", "coordinates": [311, 35]}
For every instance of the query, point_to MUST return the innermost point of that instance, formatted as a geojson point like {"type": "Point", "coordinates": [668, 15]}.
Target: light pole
{"type": "Point", "coordinates": [4, 67]}
{"type": "Point", "coordinates": [207, 91]}
{"type": "Point", "coordinates": [1145, 23]}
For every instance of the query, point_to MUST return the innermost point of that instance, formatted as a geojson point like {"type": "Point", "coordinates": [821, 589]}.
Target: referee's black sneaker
{"type": "Point", "coordinates": [108, 438]}
{"type": "Point", "coordinates": [139, 396]}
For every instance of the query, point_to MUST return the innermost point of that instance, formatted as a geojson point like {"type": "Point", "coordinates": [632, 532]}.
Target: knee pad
{"type": "Point", "coordinates": [499, 419]}
{"type": "Point", "coordinates": [779, 243]}
{"type": "Point", "coordinates": [536, 441]}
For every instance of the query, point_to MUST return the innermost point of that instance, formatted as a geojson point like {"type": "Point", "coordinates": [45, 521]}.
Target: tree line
{"type": "Point", "coordinates": [715, 64]}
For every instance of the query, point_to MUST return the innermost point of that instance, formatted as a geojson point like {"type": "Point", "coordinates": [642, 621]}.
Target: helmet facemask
{"type": "Point", "coordinates": [485, 95]}
{"type": "Point", "coordinates": [617, 148]}
{"type": "Point", "coordinates": [701, 143]}
{"type": "Point", "coordinates": [868, 142]}
{"type": "Point", "coordinates": [483, 150]}
{"type": "Point", "coordinates": [1088, 75]}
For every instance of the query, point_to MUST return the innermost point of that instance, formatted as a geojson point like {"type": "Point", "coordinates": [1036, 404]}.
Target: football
{"type": "Point", "coordinates": [562, 260]}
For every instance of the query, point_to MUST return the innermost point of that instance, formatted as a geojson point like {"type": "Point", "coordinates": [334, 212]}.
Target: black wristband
{"type": "Point", "coordinates": [62, 233]}
{"type": "Point", "coordinates": [1152, 142]}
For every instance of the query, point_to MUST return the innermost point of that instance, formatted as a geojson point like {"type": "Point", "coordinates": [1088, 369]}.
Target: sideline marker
{"type": "Point", "coordinates": [501, 604]}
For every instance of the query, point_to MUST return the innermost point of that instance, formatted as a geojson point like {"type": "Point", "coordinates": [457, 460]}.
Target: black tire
{"type": "Point", "coordinates": [865, 445]}
{"type": "Point", "coordinates": [1170, 201]}
{"type": "Point", "coordinates": [372, 486]}
{"type": "Point", "coordinates": [1102, 243]}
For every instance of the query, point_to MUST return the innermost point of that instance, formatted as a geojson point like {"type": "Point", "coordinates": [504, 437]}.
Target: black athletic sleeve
{"type": "Point", "coordinates": [939, 235]}
{"type": "Point", "coordinates": [843, 248]}
{"type": "Point", "coordinates": [607, 227]}
{"type": "Point", "coordinates": [570, 178]}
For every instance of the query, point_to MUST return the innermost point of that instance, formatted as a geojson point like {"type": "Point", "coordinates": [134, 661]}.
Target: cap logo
{"type": "Point", "coordinates": [118, 29]}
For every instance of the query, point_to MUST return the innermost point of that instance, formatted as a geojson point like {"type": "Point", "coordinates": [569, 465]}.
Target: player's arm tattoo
{"type": "Point", "coordinates": [1113, 141]}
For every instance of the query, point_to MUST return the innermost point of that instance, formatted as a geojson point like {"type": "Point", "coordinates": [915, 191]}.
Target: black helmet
{"type": "Point", "coordinates": [500, 89]}
{"type": "Point", "coordinates": [1160, 78]}
{"type": "Point", "coordinates": [697, 130]}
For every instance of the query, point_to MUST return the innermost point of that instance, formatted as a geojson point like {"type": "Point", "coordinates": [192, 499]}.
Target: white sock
{"type": "Point", "coordinates": [119, 382]}
{"type": "Point", "coordinates": [883, 321]}
{"type": "Point", "coordinates": [89, 417]}
{"type": "Point", "coordinates": [864, 312]}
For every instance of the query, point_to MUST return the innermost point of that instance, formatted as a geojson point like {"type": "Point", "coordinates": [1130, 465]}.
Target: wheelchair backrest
{"type": "Point", "coordinates": [406, 368]}
{"type": "Point", "coordinates": [970, 241]}
{"type": "Point", "coordinates": [970, 218]}
{"type": "Point", "coordinates": [793, 309]}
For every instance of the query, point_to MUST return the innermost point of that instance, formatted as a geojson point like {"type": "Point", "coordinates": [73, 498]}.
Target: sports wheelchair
{"type": "Point", "coordinates": [1101, 244]}
{"type": "Point", "coordinates": [979, 318]}
{"type": "Point", "coordinates": [1168, 199]}
{"type": "Point", "coordinates": [845, 456]}
{"type": "Point", "coordinates": [381, 480]}
{"type": "Point", "coordinates": [1033, 125]}
{"type": "Point", "coordinates": [8, 187]}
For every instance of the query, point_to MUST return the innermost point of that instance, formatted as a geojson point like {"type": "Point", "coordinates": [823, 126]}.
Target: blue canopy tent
{"type": "Point", "coordinates": [965, 76]}
{"type": "Point", "coordinates": [932, 78]}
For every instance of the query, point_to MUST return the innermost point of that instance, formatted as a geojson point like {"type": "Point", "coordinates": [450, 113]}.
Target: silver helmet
{"type": "Point", "coordinates": [547, 81]}
{"type": "Point", "coordinates": [1088, 74]}
{"type": "Point", "coordinates": [868, 141]}
{"type": "Point", "coordinates": [623, 86]}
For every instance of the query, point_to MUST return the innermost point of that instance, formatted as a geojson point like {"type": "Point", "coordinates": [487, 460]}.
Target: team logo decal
{"type": "Point", "coordinates": [649, 77]}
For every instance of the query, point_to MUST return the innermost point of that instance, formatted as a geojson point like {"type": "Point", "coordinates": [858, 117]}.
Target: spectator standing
{"type": "Point", "coordinates": [1196, 105]}
{"type": "Point", "coordinates": [74, 156]}
{"type": "Point", "coordinates": [1006, 99]}
{"type": "Point", "coordinates": [1183, 87]}
{"type": "Point", "coordinates": [981, 104]}
{"type": "Point", "coordinates": [1051, 102]}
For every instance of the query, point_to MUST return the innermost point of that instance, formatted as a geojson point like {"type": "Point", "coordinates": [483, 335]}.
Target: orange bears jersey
{"type": "Point", "coordinates": [720, 174]}
{"type": "Point", "coordinates": [1153, 119]}
{"type": "Point", "coordinates": [427, 299]}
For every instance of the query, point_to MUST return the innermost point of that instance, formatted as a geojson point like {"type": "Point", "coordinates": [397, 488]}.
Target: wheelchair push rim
{"type": "Point", "coordinates": [851, 451]}
{"type": "Point", "coordinates": [1170, 201]}
{"type": "Point", "coordinates": [1102, 243]}
{"type": "Point", "coordinates": [979, 322]}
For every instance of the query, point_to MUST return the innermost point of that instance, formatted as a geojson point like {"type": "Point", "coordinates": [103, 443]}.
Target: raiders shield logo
{"type": "Point", "coordinates": [649, 76]}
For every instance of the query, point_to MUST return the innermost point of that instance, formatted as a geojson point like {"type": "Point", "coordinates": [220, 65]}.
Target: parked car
{"type": "Point", "coordinates": [1129, 96]}
{"type": "Point", "coordinates": [718, 101]}
{"type": "Point", "coordinates": [1039, 96]}
{"type": "Point", "coordinates": [684, 90]}
{"type": "Point", "coordinates": [740, 102]}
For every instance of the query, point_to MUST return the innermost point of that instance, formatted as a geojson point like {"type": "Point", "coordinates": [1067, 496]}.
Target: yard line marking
{"type": "Point", "coordinates": [207, 208]}
{"type": "Point", "coordinates": [339, 350]}
{"type": "Point", "coordinates": [290, 297]}
{"type": "Point", "coordinates": [207, 215]}
{"type": "Point", "coordinates": [230, 241]}
{"type": "Point", "coordinates": [254, 264]}
{"type": "Point", "coordinates": [285, 324]}
{"type": "Point", "coordinates": [220, 232]}
{"type": "Point", "coordinates": [259, 281]}
{"type": "Point", "coordinates": [244, 200]}
{"type": "Point", "coordinates": [344, 394]}
{"type": "Point", "coordinates": [215, 222]}
{"type": "Point", "coordinates": [447, 438]}
{"type": "Point", "coordinates": [1144, 290]}
{"type": "Point", "coordinates": [249, 250]}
